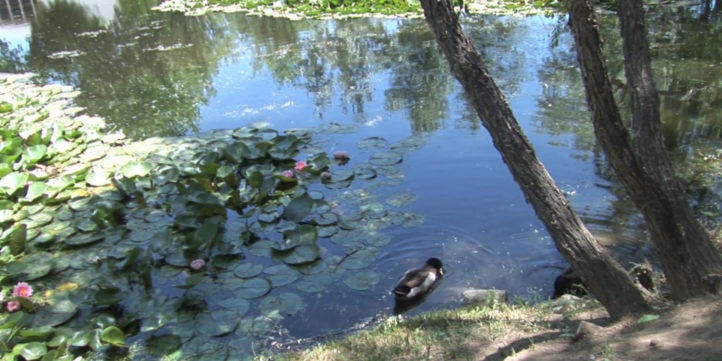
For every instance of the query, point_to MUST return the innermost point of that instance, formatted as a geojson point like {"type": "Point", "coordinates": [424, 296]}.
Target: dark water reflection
{"type": "Point", "coordinates": [158, 74]}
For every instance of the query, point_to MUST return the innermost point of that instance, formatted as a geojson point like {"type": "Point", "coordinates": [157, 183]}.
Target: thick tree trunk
{"type": "Point", "coordinates": [691, 264]}
{"type": "Point", "coordinates": [601, 273]}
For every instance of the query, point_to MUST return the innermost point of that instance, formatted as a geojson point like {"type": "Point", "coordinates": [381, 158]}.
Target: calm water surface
{"type": "Point", "coordinates": [157, 74]}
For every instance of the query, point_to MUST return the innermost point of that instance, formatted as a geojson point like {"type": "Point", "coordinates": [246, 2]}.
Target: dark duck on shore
{"type": "Point", "coordinates": [418, 282]}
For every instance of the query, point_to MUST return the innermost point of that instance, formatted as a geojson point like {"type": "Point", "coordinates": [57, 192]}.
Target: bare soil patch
{"type": "Point", "coordinates": [689, 331]}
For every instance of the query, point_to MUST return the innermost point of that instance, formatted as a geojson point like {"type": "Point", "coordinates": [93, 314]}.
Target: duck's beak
{"type": "Point", "coordinates": [441, 271]}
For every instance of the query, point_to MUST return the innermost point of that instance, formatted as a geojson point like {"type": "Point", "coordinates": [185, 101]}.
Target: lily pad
{"type": "Point", "coordinates": [364, 172]}
{"type": "Point", "coordinates": [280, 275]}
{"type": "Point", "coordinates": [248, 270]}
{"type": "Point", "coordinates": [314, 283]}
{"type": "Point", "coordinates": [56, 313]}
{"type": "Point", "coordinates": [302, 254]}
{"type": "Point", "coordinates": [286, 303]}
{"type": "Point", "coordinates": [32, 267]}
{"type": "Point", "coordinates": [218, 324]}
{"type": "Point", "coordinates": [239, 305]}
{"type": "Point", "coordinates": [35, 191]}
{"type": "Point", "coordinates": [261, 248]}
{"type": "Point", "coordinates": [136, 169]}
{"type": "Point", "coordinates": [253, 288]}
{"type": "Point", "coordinates": [401, 199]}
{"type": "Point", "coordinates": [11, 182]}
{"type": "Point", "coordinates": [298, 208]}
{"type": "Point", "coordinates": [360, 259]}
{"type": "Point", "coordinates": [326, 219]}
{"type": "Point", "coordinates": [362, 280]}
{"type": "Point", "coordinates": [155, 321]}
{"type": "Point", "coordinates": [373, 142]}
{"type": "Point", "coordinates": [302, 235]}
{"type": "Point", "coordinates": [409, 144]}
{"type": "Point", "coordinates": [386, 158]}
{"type": "Point", "coordinates": [163, 345]}
{"type": "Point", "coordinates": [114, 336]}
{"type": "Point", "coordinates": [31, 351]}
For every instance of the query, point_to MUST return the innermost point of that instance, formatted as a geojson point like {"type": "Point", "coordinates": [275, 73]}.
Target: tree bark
{"type": "Point", "coordinates": [614, 288]}
{"type": "Point", "coordinates": [691, 264]}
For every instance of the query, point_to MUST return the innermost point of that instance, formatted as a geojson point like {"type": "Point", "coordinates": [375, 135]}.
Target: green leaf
{"type": "Point", "coordinates": [255, 179]}
{"type": "Point", "coordinates": [191, 281]}
{"type": "Point", "coordinates": [55, 314]}
{"type": "Point", "coordinates": [239, 305]}
{"type": "Point", "coordinates": [155, 321]}
{"type": "Point", "coordinates": [286, 303]}
{"type": "Point", "coordinates": [302, 254]}
{"type": "Point", "coordinates": [34, 154]}
{"type": "Point", "coordinates": [35, 191]}
{"type": "Point", "coordinates": [114, 336]}
{"type": "Point", "coordinates": [125, 185]}
{"type": "Point", "coordinates": [31, 351]}
{"type": "Point", "coordinates": [303, 234]}
{"type": "Point", "coordinates": [647, 318]}
{"type": "Point", "coordinates": [236, 152]}
{"type": "Point", "coordinates": [362, 280]}
{"type": "Point", "coordinates": [253, 288]}
{"type": "Point", "coordinates": [206, 233]}
{"type": "Point", "coordinates": [298, 208]}
{"type": "Point", "coordinates": [13, 181]}
{"type": "Point", "coordinates": [360, 259]}
{"type": "Point", "coordinates": [16, 238]}
{"type": "Point", "coordinates": [136, 169]}
{"type": "Point", "coordinates": [163, 345]}
{"type": "Point", "coordinates": [386, 158]}
{"type": "Point", "coordinates": [107, 297]}
{"type": "Point", "coordinates": [13, 319]}
{"type": "Point", "coordinates": [39, 332]}
{"type": "Point", "coordinates": [280, 275]}
{"type": "Point", "coordinates": [248, 270]}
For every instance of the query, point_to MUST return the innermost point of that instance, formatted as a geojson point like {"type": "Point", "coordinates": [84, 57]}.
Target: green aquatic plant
{"type": "Point", "coordinates": [172, 246]}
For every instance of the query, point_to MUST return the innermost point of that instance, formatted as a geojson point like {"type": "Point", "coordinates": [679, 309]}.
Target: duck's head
{"type": "Point", "coordinates": [435, 263]}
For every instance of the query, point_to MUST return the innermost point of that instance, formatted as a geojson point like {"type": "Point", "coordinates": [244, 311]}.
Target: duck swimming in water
{"type": "Point", "coordinates": [420, 281]}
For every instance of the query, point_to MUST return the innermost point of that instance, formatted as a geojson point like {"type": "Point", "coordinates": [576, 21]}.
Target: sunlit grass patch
{"type": "Point", "coordinates": [457, 334]}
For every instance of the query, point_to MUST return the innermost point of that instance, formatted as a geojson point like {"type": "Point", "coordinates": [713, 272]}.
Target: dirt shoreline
{"type": "Point", "coordinates": [687, 331]}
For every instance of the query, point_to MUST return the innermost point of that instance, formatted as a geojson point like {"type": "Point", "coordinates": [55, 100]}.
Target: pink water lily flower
{"type": "Point", "coordinates": [22, 289]}
{"type": "Point", "coordinates": [197, 264]}
{"type": "Point", "coordinates": [13, 306]}
{"type": "Point", "coordinates": [300, 166]}
{"type": "Point", "coordinates": [288, 173]}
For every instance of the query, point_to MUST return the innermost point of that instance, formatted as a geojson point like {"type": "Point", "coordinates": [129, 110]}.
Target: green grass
{"type": "Point", "coordinates": [456, 334]}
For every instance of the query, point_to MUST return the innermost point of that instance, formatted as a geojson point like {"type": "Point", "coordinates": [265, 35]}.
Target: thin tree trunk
{"type": "Point", "coordinates": [601, 273]}
{"type": "Point", "coordinates": [691, 264]}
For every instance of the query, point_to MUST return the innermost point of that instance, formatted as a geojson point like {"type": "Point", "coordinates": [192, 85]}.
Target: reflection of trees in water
{"type": "Point", "coordinates": [144, 72]}
{"type": "Point", "coordinates": [11, 60]}
{"type": "Point", "coordinates": [687, 77]}
{"type": "Point", "coordinates": [344, 58]}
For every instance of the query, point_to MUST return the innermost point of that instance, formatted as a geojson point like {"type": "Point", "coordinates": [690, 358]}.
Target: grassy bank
{"type": "Point", "coordinates": [466, 333]}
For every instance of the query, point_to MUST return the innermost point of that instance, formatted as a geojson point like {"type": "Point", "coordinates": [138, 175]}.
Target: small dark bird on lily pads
{"type": "Point", "coordinates": [416, 283]}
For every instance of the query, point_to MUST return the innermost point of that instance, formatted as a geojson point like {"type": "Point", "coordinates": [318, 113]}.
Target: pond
{"type": "Point", "coordinates": [375, 85]}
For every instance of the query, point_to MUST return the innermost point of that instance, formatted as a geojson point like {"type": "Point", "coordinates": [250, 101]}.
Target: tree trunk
{"type": "Point", "coordinates": [601, 273]}
{"type": "Point", "coordinates": [691, 264]}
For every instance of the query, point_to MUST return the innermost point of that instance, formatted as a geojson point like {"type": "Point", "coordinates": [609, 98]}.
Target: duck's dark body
{"type": "Point", "coordinates": [418, 282]}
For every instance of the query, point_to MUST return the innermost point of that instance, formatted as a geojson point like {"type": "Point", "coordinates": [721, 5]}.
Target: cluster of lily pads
{"type": "Point", "coordinates": [296, 8]}
{"type": "Point", "coordinates": [187, 247]}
